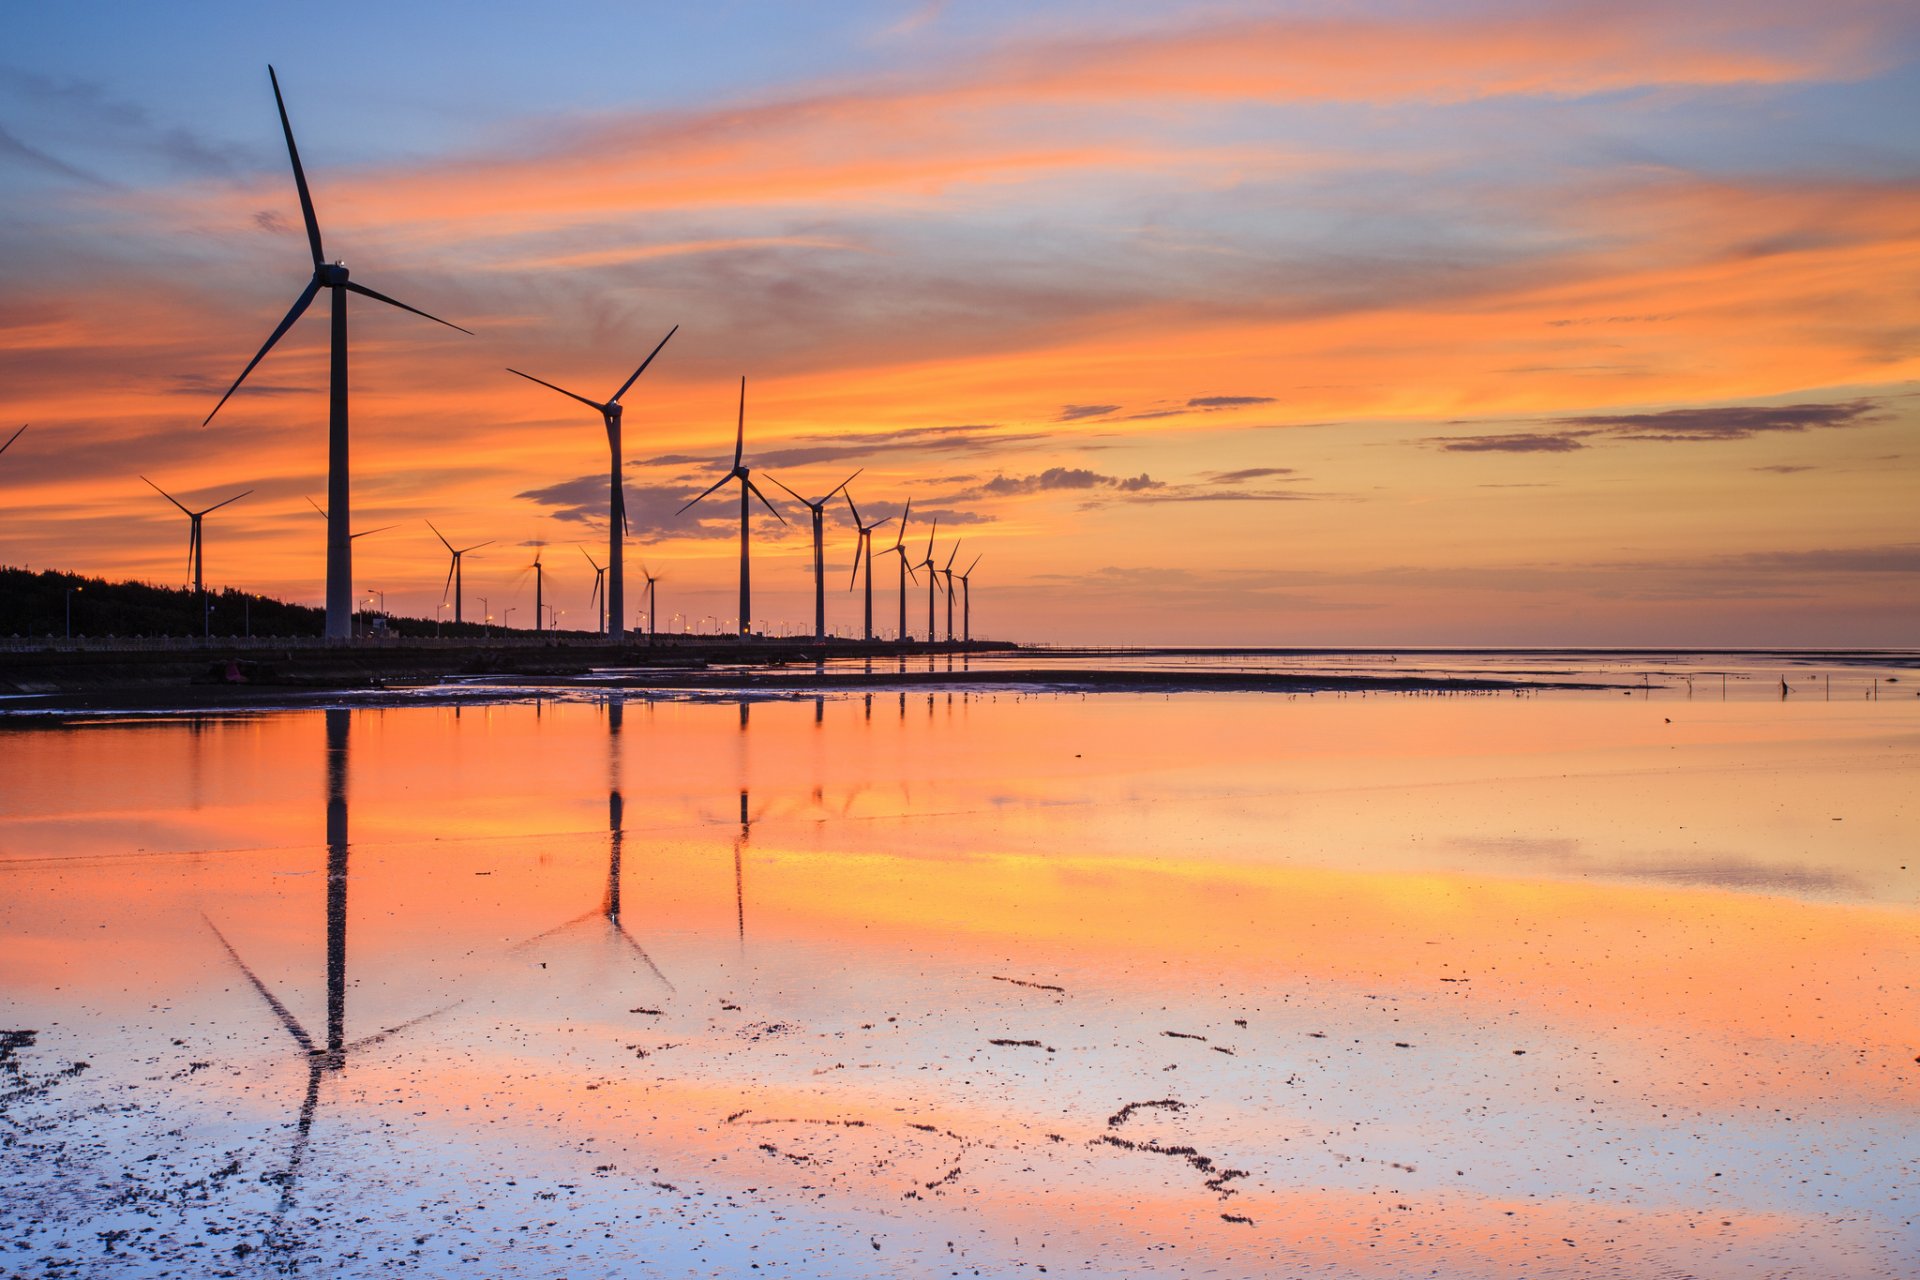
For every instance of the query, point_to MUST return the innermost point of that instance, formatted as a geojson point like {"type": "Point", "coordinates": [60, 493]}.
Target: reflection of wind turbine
{"type": "Point", "coordinates": [932, 573]}
{"type": "Point", "coordinates": [599, 589]}
{"type": "Point", "coordinates": [331, 276]}
{"type": "Point", "coordinates": [740, 473]}
{"type": "Point", "coordinates": [331, 1057]}
{"type": "Point", "coordinates": [195, 546]}
{"type": "Point", "coordinates": [819, 509]}
{"type": "Point", "coordinates": [864, 548]}
{"type": "Point", "coordinates": [615, 627]}
{"type": "Point", "coordinates": [453, 570]}
{"type": "Point", "coordinates": [609, 908]}
{"type": "Point", "coordinates": [947, 573]}
{"type": "Point", "coordinates": [966, 600]}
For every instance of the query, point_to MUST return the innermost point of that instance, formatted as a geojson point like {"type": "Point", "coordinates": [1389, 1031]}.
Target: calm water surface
{"type": "Point", "coordinates": [955, 983]}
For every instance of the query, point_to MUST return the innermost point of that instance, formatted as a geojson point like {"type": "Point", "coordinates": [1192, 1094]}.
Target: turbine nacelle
{"type": "Point", "coordinates": [331, 273]}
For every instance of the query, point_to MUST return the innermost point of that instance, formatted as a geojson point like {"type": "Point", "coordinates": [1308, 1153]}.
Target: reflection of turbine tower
{"type": "Point", "coordinates": [330, 1058]}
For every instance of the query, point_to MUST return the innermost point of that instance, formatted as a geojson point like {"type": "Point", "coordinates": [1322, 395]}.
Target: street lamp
{"type": "Point", "coordinates": [486, 628]}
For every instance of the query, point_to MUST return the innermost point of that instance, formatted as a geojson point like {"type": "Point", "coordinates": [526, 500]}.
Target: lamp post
{"type": "Point", "coordinates": [506, 619]}
{"type": "Point", "coordinates": [486, 613]}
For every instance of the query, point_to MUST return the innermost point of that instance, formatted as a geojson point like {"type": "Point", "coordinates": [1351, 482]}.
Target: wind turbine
{"type": "Point", "coordinates": [932, 572]}
{"type": "Point", "coordinates": [864, 547]}
{"type": "Point", "coordinates": [740, 472]}
{"type": "Point", "coordinates": [653, 616]}
{"type": "Point", "coordinates": [947, 572]}
{"type": "Point", "coordinates": [453, 570]}
{"type": "Point", "coordinates": [323, 515]}
{"type": "Point", "coordinates": [819, 523]}
{"type": "Point", "coordinates": [196, 545]}
{"type": "Point", "coordinates": [599, 589]}
{"type": "Point", "coordinates": [899, 548]}
{"type": "Point", "coordinates": [331, 276]}
{"type": "Point", "coordinates": [615, 625]}
{"type": "Point", "coordinates": [966, 601]}
{"type": "Point", "coordinates": [539, 590]}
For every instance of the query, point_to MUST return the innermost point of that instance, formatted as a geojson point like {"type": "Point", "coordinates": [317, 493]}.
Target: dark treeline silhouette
{"type": "Point", "coordinates": [36, 603]}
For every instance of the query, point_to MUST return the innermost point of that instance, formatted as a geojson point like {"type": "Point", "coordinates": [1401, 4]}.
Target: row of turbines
{"type": "Point", "coordinates": [610, 579]}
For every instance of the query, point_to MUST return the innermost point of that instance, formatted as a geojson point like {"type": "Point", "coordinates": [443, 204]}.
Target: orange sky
{"type": "Point", "coordinates": [1562, 325]}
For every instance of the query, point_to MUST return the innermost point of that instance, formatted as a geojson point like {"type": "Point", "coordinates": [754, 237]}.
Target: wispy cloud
{"type": "Point", "coordinates": [1511, 442]}
{"type": "Point", "coordinates": [1730, 422]}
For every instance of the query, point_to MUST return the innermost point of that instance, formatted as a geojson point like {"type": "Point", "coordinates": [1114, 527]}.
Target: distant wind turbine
{"type": "Point", "coordinates": [196, 544]}
{"type": "Point", "coordinates": [947, 573]}
{"type": "Point", "coordinates": [599, 588]}
{"type": "Point", "coordinates": [653, 615]}
{"type": "Point", "coordinates": [864, 547]}
{"type": "Point", "coordinates": [899, 548]}
{"type": "Point", "coordinates": [741, 473]}
{"type": "Point", "coordinates": [966, 600]}
{"type": "Point", "coordinates": [819, 543]}
{"type": "Point", "coordinates": [615, 603]}
{"type": "Point", "coordinates": [932, 573]}
{"type": "Point", "coordinates": [331, 276]}
{"type": "Point", "coordinates": [453, 570]}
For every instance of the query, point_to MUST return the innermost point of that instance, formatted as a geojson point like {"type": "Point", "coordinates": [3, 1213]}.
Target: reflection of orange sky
{"type": "Point", "coordinates": [809, 240]}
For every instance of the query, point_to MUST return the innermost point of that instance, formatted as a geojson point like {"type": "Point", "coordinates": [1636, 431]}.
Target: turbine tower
{"type": "Point", "coordinates": [615, 603]}
{"type": "Point", "coordinates": [932, 573]}
{"type": "Point", "coordinates": [864, 547]}
{"type": "Point", "coordinates": [331, 276]}
{"type": "Point", "coordinates": [599, 589]}
{"type": "Point", "coordinates": [741, 473]}
{"type": "Point", "coordinates": [819, 544]}
{"type": "Point", "coordinates": [453, 570]}
{"type": "Point", "coordinates": [966, 602]}
{"type": "Point", "coordinates": [196, 547]}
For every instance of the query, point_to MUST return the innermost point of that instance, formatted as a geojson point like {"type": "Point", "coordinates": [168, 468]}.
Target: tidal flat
{"type": "Point", "coordinates": [996, 982]}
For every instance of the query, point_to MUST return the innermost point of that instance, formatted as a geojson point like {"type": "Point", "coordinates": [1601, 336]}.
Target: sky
{"type": "Point", "coordinates": [1359, 323]}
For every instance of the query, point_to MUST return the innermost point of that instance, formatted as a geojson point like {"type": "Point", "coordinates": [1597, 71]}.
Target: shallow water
{"type": "Point", "coordinates": [943, 983]}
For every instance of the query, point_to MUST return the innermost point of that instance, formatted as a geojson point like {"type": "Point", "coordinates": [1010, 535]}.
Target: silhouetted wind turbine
{"type": "Point", "coordinates": [323, 515]}
{"type": "Point", "coordinates": [195, 545]}
{"type": "Point", "coordinates": [932, 573]}
{"type": "Point", "coordinates": [947, 572]}
{"type": "Point", "coordinates": [899, 548]}
{"type": "Point", "coordinates": [453, 570]}
{"type": "Point", "coordinates": [333, 277]}
{"type": "Point", "coordinates": [966, 600]}
{"type": "Point", "coordinates": [539, 590]}
{"type": "Point", "coordinates": [864, 547]}
{"type": "Point", "coordinates": [13, 437]}
{"type": "Point", "coordinates": [653, 616]}
{"type": "Point", "coordinates": [819, 544]}
{"type": "Point", "coordinates": [741, 473]}
{"type": "Point", "coordinates": [615, 601]}
{"type": "Point", "coordinates": [599, 589]}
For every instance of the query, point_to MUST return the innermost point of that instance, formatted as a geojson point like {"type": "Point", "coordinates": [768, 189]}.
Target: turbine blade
{"type": "Point", "coordinates": [163, 493]}
{"type": "Point", "coordinates": [13, 437]}
{"type": "Point", "coordinates": [451, 566]}
{"type": "Point", "coordinates": [900, 538]}
{"type": "Point", "coordinates": [843, 484]}
{"type": "Point", "coordinates": [852, 508]}
{"type": "Point", "coordinates": [562, 390]}
{"type": "Point", "coordinates": [754, 489]}
{"type": "Point", "coordinates": [721, 481]}
{"type": "Point", "coordinates": [299, 174]}
{"type": "Point", "coordinates": [953, 553]}
{"type": "Point", "coordinates": [300, 305]}
{"type": "Point", "coordinates": [590, 559]}
{"type": "Point", "coordinates": [620, 501]}
{"type": "Point", "coordinates": [317, 507]}
{"type": "Point", "coordinates": [796, 497]}
{"type": "Point", "coordinates": [441, 536]}
{"type": "Point", "coordinates": [363, 291]}
{"type": "Point", "coordinates": [476, 546]}
{"type": "Point", "coordinates": [235, 498]}
{"type": "Point", "coordinates": [930, 533]}
{"type": "Point", "coordinates": [976, 560]}
{"type": "Point", "coordinates": [740, 429]}
{"type": "Point", "coordinates": [193, 545]}
{"type": "Point", "coordinates": [859, 546]}
{"type": "Point", "coordinates": [643, 367]}
{"type": "Point", "coordinates": [370, 532]}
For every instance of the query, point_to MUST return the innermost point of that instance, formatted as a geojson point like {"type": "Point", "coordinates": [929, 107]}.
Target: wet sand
{"type": "Point", "coordinates": [920, 983]}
